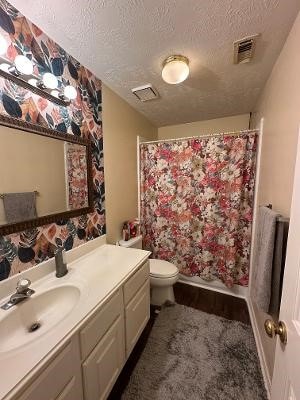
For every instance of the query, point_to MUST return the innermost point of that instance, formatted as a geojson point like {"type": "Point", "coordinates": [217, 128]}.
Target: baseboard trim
{"type": "Point", "coordinates": [260, 350]}
{"type": "Point", "coordinates": [237, 291]}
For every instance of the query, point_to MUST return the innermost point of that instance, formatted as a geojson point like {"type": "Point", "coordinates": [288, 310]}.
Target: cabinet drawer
{"type": "Point", "coordinates": [102, 367]}
{"type": "Point", "coordinates": [136, 281]}
{"type": "Point", "coordinates": [100, 323]}
{"type": "Point", "coordinates": [137, 314]}
{"type": "Point", "coordinates": [61, 380]}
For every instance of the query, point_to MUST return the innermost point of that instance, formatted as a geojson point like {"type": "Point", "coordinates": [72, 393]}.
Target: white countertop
{"type": "Point", "coordinates": [97, 274]}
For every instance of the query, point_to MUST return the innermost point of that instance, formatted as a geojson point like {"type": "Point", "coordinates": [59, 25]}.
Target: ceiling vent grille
{"type": "Point", "coordinates": [244, 49]}
{"type": "Point", "coordinates": [145, 93]}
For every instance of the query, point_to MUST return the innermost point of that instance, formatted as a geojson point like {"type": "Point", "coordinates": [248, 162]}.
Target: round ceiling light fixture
{"type": "Point", "coordinates": [175, 69]}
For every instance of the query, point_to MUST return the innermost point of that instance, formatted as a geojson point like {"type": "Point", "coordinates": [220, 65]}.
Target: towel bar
{"type": "Point", "coordinates": [279, 219]}
{"type": "Point", "coordinates": [2, 194]}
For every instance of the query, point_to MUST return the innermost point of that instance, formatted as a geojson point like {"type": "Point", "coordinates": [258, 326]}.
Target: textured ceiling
{"type": "Point", "coordinates": [125, 41]}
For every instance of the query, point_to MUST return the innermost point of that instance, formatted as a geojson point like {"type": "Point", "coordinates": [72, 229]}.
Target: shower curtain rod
{"type": "Point", "coordinates": [237, 133]}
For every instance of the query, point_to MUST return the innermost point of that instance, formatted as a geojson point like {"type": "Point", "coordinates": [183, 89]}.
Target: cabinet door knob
{"type": "Point", "coordinates": [272, 329]}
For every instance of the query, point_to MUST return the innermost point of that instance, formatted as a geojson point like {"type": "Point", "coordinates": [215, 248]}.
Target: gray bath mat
{"type": "Point", "coordinates": [197, 356]}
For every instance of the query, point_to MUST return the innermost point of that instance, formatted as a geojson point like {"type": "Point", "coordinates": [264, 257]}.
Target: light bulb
{"type": "Point", "coordinates": [70, 92]}
{"type": "Point", "coordinates": [23, 65]}
{"type": "Point", "coordinates": [175, 69]}
{"type": "Point", "coordinates": [33, 82]}
{"type": "Point", "coordinates": [5, 67]}
{"type": "Point", "coordinates": [55, 93]}
{"type": "Point", "coordinates": [50, 80]}
{"type": "Point", "coordinates": [3, 45]}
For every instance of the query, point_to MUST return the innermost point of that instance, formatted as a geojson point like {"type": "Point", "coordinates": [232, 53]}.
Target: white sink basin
{"type": "Point", "coordinates": [35, 316]}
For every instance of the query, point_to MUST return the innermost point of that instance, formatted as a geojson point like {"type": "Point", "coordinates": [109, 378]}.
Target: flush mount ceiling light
{"type": "Point", "coordinates": [175, 69]}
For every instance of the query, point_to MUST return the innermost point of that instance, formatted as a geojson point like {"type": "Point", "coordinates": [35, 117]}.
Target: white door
{"type": "Point", "coordinates": [286, 378]}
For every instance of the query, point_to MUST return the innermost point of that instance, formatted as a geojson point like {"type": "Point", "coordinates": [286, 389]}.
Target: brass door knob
{"type": "Point", "coordinates": [273, 329]}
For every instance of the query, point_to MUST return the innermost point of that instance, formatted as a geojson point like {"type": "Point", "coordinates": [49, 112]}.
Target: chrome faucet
{"type": "Point", "coordinates": [23, 292]}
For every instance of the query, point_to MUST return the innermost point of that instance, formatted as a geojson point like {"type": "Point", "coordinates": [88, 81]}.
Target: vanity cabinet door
{"type": "Point", "coordinates": [61, 379]}
{"type": "Point", "coordinates": [137, 314]}
{"type": "Point", "coordinates": [100, 322]}
{"type": "Point", "coordinates": [102, 367]}
{"type": "Point", "coordinates": [136, 281]}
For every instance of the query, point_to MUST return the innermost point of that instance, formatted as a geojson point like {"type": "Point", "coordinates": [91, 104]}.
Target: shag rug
{"type": "Point", "coordinates": [191, 355]}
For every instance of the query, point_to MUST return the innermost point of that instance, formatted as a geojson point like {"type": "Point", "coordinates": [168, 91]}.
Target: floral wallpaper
{"type": "Point", "coordinates": [196, 205]}
{"type": "Point", "coordinates": [76, 164]}
{"type": "Point", "coordinates": [82, 118]}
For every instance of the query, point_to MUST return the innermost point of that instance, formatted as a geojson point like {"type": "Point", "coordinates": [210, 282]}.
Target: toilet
{"type": "Point", "coordinates": [163, 275]}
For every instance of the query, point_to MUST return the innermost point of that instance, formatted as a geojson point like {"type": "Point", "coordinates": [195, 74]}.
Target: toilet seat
{"type": "Point", "coordinates": [162, 269]}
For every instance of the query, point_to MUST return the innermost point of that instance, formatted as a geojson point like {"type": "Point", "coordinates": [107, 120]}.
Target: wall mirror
{"type": "Point", "coordinates": [45, 175]}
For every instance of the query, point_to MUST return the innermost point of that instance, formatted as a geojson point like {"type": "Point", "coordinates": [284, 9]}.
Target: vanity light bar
{"type": "Point", "coordinates": [32, 82]}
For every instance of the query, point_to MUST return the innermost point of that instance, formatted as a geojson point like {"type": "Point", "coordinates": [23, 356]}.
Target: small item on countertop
{"type": "Point", "coordinates": [134, 228]}
{"type": "Point", "coordinates": [138, 227]}
{"type": "Point", "coordinates": [126, 231]}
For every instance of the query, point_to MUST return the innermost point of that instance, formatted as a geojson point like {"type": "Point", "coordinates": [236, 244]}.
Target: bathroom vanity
{"type": "Point", "coordinates": [89, 320]}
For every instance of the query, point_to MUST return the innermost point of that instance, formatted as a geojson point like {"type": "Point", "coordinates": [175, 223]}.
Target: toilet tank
{"type": "Point", "coordinates": [134, 243]}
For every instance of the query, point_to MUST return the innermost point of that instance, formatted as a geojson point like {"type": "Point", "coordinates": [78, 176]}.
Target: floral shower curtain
{"type": "Point", "coordinates": [196, 204]}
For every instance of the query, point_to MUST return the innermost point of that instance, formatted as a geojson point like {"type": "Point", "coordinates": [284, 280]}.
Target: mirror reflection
{"type": "Point", "coordinates": [40, 176]}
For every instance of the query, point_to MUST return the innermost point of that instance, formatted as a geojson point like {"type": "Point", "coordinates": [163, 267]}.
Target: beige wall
{"type": "Point", "coordinates": [226, 124]}
{"type": "Point", "coordinates": [33, 162]}
{"type": "Point", "coordinates": [279, 104]}
{"type": "Point", "coordinates": [121, 126]}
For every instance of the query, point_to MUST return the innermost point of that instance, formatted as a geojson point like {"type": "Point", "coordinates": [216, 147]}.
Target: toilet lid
{"type": "Point", "coordinates": [162, 269]}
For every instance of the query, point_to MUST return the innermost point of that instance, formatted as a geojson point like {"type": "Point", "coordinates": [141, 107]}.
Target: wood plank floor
{"type": "Point", "coordinates": [202, 299]}
{"type": "Point", "coordinates": [211, 302]}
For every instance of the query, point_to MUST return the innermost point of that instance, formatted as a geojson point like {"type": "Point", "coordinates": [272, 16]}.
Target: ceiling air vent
{"type": "Point", "coordinates": [244, 49]}
{"type": "Point", "coordinates": [145, 92]}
